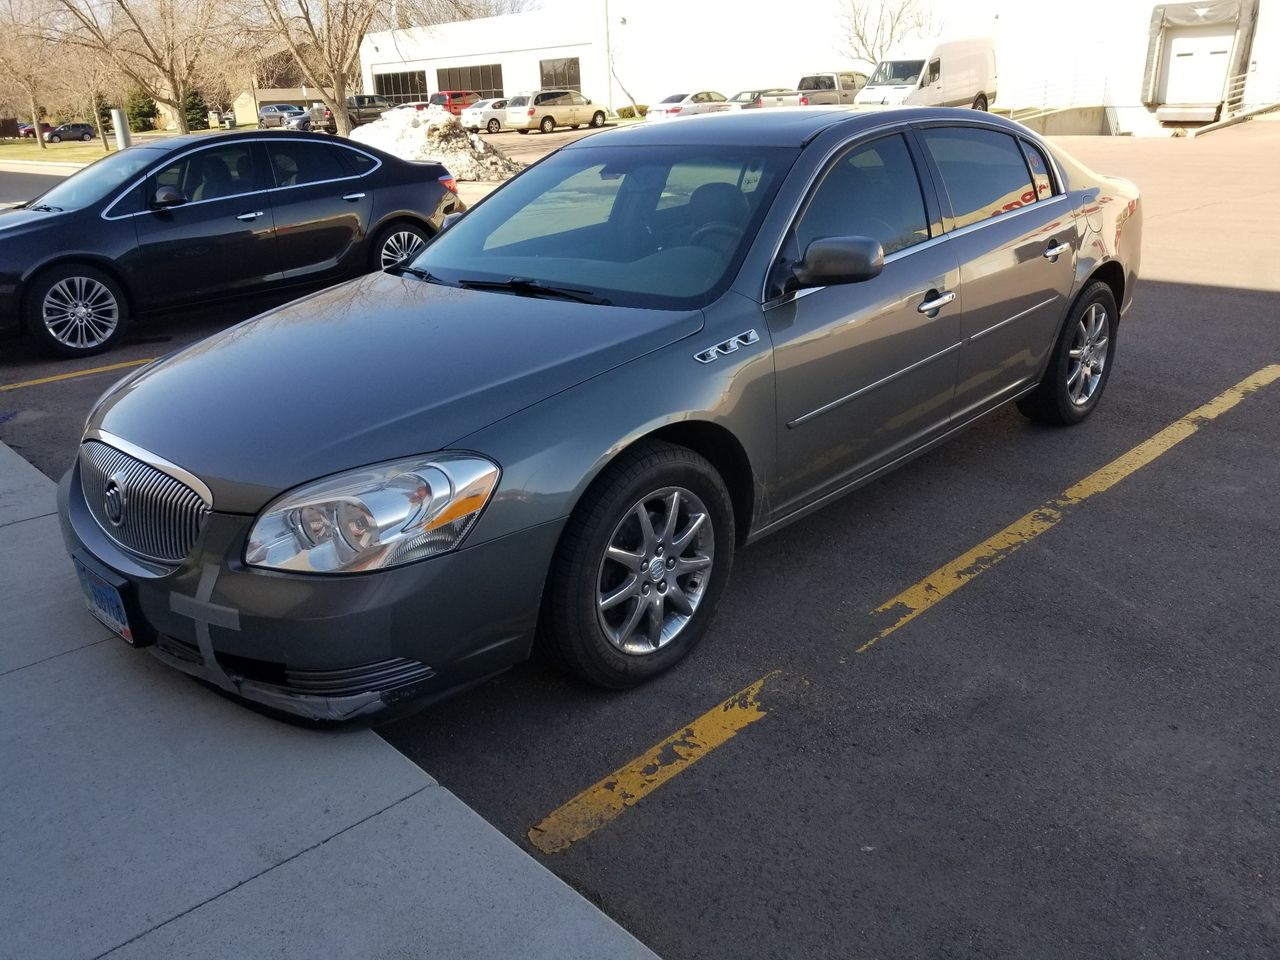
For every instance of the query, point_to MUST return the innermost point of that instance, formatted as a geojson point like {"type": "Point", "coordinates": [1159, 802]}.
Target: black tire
{"type": "Point", "coordinates": [522, 131]}
{"type": "Point", "coordinates": [547, 125]}
{"type": "Point", "coordinates": [598, 118]}
{"type": "Point", "coordinates": [980, 102]}
{"type": "Point", "coordinates": [1051, 402]}
{"type": "Point", "coordinates": [494, 125]}
{"type": "Point", "coordinates": [569, 627]}
{"type": "Point", "coordinates": [54, 138]}
{"type": "Point", "coordinates": [380, 240]}
{"type": "Point", "coordinates": [262, 124]}
{"type": "Point", "coordinates": [87, 137]}
{"type": "Point", "coordinates": [34, 310]}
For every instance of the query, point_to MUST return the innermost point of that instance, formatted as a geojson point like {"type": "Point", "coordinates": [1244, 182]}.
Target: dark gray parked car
{"type": "Point", "coordinates": [559, 423]}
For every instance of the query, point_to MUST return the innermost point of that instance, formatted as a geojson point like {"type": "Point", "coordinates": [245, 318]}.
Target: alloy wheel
{"type": "Point", "coordinates": [494, 126]}
{"type": "Point", "coordinates": [399, 247]}
{"type": "Point", "coordinates": [1088, 355]}
{"type": "Point", "coordinates": [655, 570]}
{"type": "Point", "coordinates": [80, 312]}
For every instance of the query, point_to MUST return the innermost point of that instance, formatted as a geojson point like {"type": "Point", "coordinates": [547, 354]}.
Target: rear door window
{"type": "Point", "coordinates": [297, 163]}
{"type": "Point", "coordinates": [984, 172]}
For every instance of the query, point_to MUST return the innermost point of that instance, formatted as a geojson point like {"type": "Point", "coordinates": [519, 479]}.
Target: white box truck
{"type": "Point", "coordinates": [941, 73]}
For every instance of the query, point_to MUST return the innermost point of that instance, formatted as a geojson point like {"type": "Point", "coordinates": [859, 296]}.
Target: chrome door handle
{"type": "Point", "coordinates": [353, 196]}
{"type": "Point", "coordinates": [1054, 252]}
{"type": "Point", "coordinates": [250, 216]}
{"type": "Point", "coordinates": [937, 303]}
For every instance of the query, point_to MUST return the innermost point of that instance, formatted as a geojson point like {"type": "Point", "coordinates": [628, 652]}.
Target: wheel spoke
{"type": "Point", "coordinates": [1075, 374]}
{"type": "Point", "coordinates": [691, 565]}
{"type": "Point", "coordinates": [673, 514]}
{"type": "Point", "coordinates": [1075, 354]}
{"type": "Point", "coordinates": [623, 592]}
{"type": "Point", "coordinates": [686, 536]}
{"type": "Point", "coordinates": [677, 598]}
{"type": "Point", "coordinates": [626, 558]}
{"type": "Point", "coordinates": [648, 539]}
{"type": "Point", "coordinates": [657, 613]}
{"type": "Point", "coordinates": [628, 627]}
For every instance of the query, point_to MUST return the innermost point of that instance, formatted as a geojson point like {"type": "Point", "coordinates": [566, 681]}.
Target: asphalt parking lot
{"type": "Point", "coordinates": [1071, 753]}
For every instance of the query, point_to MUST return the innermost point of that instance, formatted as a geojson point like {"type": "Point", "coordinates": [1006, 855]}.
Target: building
{"type": "Point", "coordinates": [1134, 64]}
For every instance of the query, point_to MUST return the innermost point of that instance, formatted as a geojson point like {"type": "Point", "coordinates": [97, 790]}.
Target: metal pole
{"type": "Point", "coordinates": [121, 123]}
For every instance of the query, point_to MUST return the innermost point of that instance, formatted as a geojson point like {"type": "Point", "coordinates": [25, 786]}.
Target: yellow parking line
{"type": "Point", "coordinates": [947, 579]}
{"type": "Point", "coordinates": [72, 376]}
{"type": "Point", "coordinates": [603, 801]}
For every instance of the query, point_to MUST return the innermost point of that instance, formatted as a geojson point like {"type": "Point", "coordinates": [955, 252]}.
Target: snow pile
{"type": "Point", "coordinates": [435, 134]}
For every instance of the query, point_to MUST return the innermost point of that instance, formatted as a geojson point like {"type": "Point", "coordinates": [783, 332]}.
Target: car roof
{"type": "Point", "coordinates": [195, 139]}
{"type": "Point", "coordinates": [779, 126]}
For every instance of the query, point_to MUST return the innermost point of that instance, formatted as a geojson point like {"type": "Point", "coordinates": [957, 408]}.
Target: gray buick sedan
{"type": "Point", "coordinates": [558, 423]}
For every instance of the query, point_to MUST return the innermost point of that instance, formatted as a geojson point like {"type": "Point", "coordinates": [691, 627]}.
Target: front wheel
{"type": "Point", "coordinates": [86, 137]}
{"type": "Point", "coordinates": [641, 565]}
{"type": "Point", "coordinates": [54, 138]}
{"type": "Point", "coordinates": [547, 125]}
{"type": "Point", "coordinates": [1081, 361]}
{"type": "Point", "coordinates": [493, 126]}
{"type": "Point", "coordinates": [76, 311]}
{"type": "Point", "coordinates": [597, 118]}
{"type": "Point", "coordinates": [980, 103]}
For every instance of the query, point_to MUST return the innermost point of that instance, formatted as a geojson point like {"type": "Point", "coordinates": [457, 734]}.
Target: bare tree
{"type": "Point", "coordinates": [26, 70]}
{"type": "Point", "coordinates": [870, 29]}
{"type": "Point", "coordinates": [160, 45]}
{"type": "Point", "coordinates": [324, 37]}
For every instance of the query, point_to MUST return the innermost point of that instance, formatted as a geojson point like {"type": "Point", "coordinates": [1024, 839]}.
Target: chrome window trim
{"type": "Point", "coordinates": [1003, 217]}
{"type": "Point", "coordinates": [861, 391]}
{"type": "Point", "coordinates": [153, 461]}
{"type": "Point", "coordinates": [172, 158]}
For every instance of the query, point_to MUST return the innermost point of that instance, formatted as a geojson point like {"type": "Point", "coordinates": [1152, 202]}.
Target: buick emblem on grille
{"type": "Point", "coordinates": [113, 500]}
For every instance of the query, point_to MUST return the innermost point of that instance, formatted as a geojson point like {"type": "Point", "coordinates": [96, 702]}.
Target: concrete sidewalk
{"type": "Point", "coordinates": [144, 816]}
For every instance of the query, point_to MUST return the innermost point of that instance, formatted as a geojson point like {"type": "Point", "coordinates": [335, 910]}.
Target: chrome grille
{"type": "Point", "coordinates": [161, 517]}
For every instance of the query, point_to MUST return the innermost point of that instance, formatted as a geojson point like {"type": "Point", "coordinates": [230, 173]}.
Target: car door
{"type": "Point", "coordinates": [321, 209]}
{"type": "Point", "coordinates": [865, 371]}
{"type": "Point", "coordinates": [1016, 237]}
{"type": "Point", "coordinates": [220, 240]}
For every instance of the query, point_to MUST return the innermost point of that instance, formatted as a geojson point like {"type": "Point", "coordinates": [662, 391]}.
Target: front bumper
{"type": "Point", "coordinates": [326, 648]}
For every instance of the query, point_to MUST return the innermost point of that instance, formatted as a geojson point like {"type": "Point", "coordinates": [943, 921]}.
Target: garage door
{"type": "Point", "coordinates": [1196, 61]}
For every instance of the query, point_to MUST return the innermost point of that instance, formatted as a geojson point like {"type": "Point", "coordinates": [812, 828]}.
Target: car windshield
{"type": "Point", "coordinates": [896, 72]}
{"type": "Point", "coordinates": [96, 181]}
{"type": "Point", "coordinates": [674, 98]}
{"type": "Point", "coordinates": [638, 226]}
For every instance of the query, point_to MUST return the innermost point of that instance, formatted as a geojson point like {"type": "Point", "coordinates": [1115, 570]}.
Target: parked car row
{"type": "Point", "coordinates": [552, 431]}
{"type": "Point", "coordinates": [198, 217]}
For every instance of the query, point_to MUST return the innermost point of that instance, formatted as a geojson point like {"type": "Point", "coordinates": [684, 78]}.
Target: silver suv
{"type": "Point", "coordinates": [547, 109]}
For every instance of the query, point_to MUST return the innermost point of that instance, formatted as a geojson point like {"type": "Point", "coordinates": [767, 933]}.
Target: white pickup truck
{"type": "Point", "coordinates": [817, 89]}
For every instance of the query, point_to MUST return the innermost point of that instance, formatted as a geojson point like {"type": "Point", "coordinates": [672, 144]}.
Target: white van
{"type": "Point", "coordinates": [943, 73]}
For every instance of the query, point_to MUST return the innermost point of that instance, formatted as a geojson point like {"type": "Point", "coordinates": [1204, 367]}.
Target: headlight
{"type": "Point", "coordinates": [375, 517]}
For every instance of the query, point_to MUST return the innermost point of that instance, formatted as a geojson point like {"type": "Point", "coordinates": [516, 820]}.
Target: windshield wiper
{"type": "Point", "coordinates": [419, 273]}
{"type": "Point", "coordinates": [41, 206]}
{"type": "Point", "coordinates": [535, 288]}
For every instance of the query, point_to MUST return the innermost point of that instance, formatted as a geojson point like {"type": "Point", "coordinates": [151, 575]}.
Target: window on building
{"type": "Point", "coordinates": [484, 79]}
{"type": "Point", "coordinates": [562, 72]}
{"type": "Point", "coordinates": [402, 87]}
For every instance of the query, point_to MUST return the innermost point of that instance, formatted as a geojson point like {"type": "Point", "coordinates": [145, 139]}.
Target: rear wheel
{"type": "Point", "coordinates": [640, 568]}
{"type": "Point", "coordinates": [980, 102]}
{"type": "Point", "coordinates": [547, 125]}
{"type": "Point", "coordinates": [1081, 362]}
{"type": "Point", "coordinates": [493, 125]}
{"type": "Point", "coordinates": [75, 310]}
{"type": "Point", "coordinates": [597, 118]}
{"type": "Point", "coordinates": [396, 244]}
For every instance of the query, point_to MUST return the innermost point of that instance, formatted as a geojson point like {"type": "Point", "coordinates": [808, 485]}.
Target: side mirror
{"type": "Point", "coordinates": [168, 197]}
{"type": "Point", "coordinates": [449, 220]}
{"type": "Point", "coordinates": [833, 260]}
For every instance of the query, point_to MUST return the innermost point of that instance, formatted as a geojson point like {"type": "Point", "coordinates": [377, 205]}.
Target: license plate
{"type": "Point", "coordinates": [104, 602]}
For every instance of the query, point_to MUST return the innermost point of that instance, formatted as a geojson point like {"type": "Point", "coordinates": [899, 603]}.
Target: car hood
{"type": "Point", "coordinates": [18, 221]}
{"type": "Point", "coordinates": [375, 369]}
